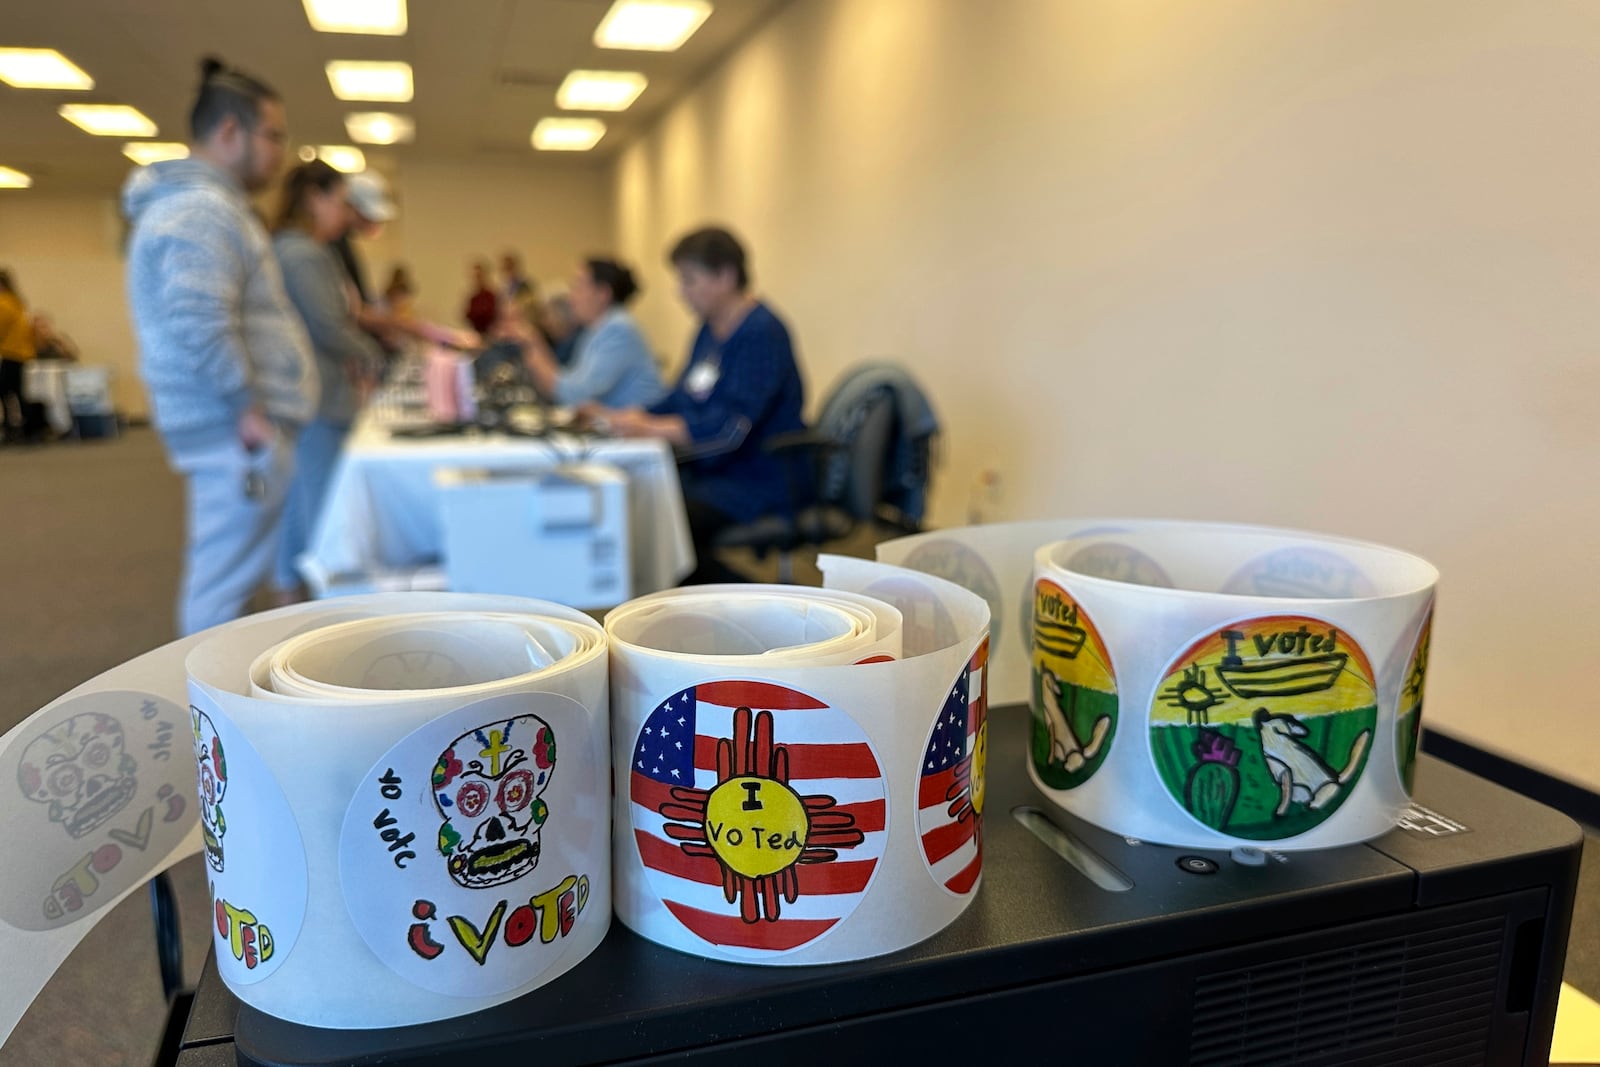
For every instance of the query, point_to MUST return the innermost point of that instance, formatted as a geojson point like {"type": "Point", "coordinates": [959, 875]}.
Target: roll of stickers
{"type": "Point", "coordinates": [402, 800]}
{"type": "Point", "coordinates": [1213, 686]}
{"type": "Point", "coordinates": [996, 562]}
{"type": "Point", "coordinates": [800, 772]}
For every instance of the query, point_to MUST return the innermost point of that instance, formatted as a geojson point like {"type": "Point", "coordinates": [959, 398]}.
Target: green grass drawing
{"type": "Point", "coordinates": [1332, 735]}
{"type": "Point", "coordinates": [1083, 707]}
{"type": "Point", "coordinates": [1407, 734]}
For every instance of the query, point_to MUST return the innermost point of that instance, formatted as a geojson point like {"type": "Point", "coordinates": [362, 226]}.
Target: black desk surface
{"type": "Point", "coordinates": [1035, 919]}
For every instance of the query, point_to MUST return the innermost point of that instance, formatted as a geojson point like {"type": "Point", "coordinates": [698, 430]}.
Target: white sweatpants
{"type": "Point", "coordinates": [231, 536]}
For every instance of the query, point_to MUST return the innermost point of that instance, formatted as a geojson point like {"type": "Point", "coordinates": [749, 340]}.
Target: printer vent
{"type": "Point", "coordinates": [1425, 998]}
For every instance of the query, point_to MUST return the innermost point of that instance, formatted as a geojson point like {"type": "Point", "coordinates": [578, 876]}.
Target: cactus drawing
{"type": "Point", "coordinates": [1213, 785]}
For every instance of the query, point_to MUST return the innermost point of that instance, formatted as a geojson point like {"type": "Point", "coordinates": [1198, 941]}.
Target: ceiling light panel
{"type": "Point", "coordinates": [651, 25]}
{"type": "Point", "coordinates": [380, 127]}
{"type": "Point", "coordinates": [386, 18]}
{"type": "Point", "coordinates": [386, 82]}
{"type": "Point", "coordinates": [599, 90]}
{"type": "Point", "coordinates": [14, 179]}
{"type": "Point", "coordinates": [41, 68]}
{"type": "Point", "coordinates": [568, 135]}
{"type": "Point", "coordinates": [108, 120]}
{"type": "Point", "coordinates": [343, 157]}
{"type": "Point", "coordinates": [146, 152]}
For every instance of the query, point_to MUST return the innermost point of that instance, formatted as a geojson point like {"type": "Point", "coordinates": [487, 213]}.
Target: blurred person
{"type": "Point", "coordinates": [561, 330]}
{"type": "Point", "coordinates": [16, 349]}
{"type": "Point", "coordinates": [51, 343]}
{"type": "Point", "coordinates": [400, 294]}
{"type": "Point", "coordinates": [739, 388]}
{"type": "Point", "coordinates": [223, 354]}
{"type": "Point", "coordinates": [347, 360]}
{"type": "Point", "coordinates": [517, 288]}
{"type": "Point", "coordinates": [370, 208]}
{"type": "Point", "coordinates": [482, 306]}
{"type": "Point", "coordinates": [611, 366]}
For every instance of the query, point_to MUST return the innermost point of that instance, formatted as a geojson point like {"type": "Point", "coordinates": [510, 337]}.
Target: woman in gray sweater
{"type": "Point", "coordinates": [313, 213]}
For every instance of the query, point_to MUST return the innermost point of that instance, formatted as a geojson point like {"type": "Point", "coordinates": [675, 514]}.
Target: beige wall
{"type": "Point", "coordinates": [65, 255]}
{"type": "Point", "coordinates": [1329, 264]}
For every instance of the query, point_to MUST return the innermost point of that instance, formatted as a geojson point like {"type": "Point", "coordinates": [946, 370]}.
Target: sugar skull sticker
{"type": "Point", "coordinates": [256, 860]}
{"type": "Point", "coordinates": [1261, 729]}
{"type": "Point", "coordinates": [1074, 691]}
{"type": "Point", "coordinates": [211, 770]}
{"type": "Point", "coordinates": [107, 791]}
{"type": "Point", "coordinates": [488, 787]}
{"type": "Point", "coordinates": [468, 865]}
{"type": "Point", "coordinates": [81, 770]}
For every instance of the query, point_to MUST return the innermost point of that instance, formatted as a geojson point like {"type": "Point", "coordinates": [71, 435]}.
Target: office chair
{"type": "Point", "coordinates": [849, 467]}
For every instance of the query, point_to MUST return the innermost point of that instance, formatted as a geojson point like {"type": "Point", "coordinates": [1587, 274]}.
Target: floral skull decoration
{"type": "Point", "coordinates": [212, 774]}
{"type": "Point", "coordinates": [81, 768]}
{"type": "Point", "coordinates": [487, 787]}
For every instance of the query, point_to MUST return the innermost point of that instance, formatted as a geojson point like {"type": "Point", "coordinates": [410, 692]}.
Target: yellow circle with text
{"type": "Point", "coordinates": [980, 766]}
{"type": "Point", "coordinates": [757, 826]}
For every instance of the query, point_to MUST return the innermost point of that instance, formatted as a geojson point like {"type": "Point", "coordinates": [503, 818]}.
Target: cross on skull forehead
{"type": "Point", "coordinates": [487, 787]}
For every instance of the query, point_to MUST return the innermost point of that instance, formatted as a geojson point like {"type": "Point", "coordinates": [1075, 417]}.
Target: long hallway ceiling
{"type": "Point", "coordinates": [485, 72]}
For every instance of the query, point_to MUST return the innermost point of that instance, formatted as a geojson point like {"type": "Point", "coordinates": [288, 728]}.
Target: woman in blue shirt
{"type": "Point", "coordinates": [611, 364]}
{"type": "Point", "coordinates": [739, 388]}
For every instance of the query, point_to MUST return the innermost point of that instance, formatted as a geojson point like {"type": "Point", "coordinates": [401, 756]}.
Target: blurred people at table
{"type": "Point", "coordinates": [51, 343]}
{"type": "Point", "coordinates": [612, 365]}
{"type": "Point", "coordinates": [482, 306]}
{"type": "Point", "coordinates": [369, 209]}
{"type": "Point", "coordinates": [313, 212]}
{"type": "Point", "coordinates": [399, 296]}
{"type": "Point", "coordinates": [560, 327]}
{"type": "Point", "coordinates": [222, 352]}
{"type": "Point", "coordinates": [739, 388]}
{"type": "Point", "coordinates": [517, 288]}
{"type": "Point", "coordinates": [16, 349]}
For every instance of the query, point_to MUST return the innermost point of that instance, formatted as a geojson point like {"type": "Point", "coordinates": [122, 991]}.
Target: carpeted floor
{"type": "Point", "coordinates": [91, 534]}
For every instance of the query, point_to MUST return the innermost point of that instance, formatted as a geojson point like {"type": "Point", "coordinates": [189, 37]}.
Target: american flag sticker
{"type": "Point", "coordinates": [950, 789]}
{"type": "Point", "coordinates": [759, 812]}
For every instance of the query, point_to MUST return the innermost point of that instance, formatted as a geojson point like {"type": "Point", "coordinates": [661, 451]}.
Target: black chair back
{"type": "Point", "coordinates": [865, 455]}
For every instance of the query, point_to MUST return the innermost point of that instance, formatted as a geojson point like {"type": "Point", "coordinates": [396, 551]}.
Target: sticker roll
{"type": "Point", "coordinates": [995, 561]}
{"type": "Point", "coordinates": [1211, 686]}
{"type": "Point", "coordinates": [799, 772]}
{"type": "Point", "coordinates": [375, 788]}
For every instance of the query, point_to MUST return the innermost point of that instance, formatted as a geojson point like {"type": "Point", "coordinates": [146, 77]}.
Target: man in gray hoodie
{"type": "Point", "coordinates": [222, 352]}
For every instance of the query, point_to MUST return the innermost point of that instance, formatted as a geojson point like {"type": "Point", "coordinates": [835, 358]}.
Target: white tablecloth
{"type": "Point", "coordinates": [383, 515]}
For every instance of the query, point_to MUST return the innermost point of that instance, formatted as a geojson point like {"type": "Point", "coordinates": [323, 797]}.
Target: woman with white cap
{"type": "Point", "coordinates": [313, 212]}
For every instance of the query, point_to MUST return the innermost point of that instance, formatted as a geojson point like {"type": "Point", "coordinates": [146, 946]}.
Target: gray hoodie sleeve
{"type": "Point", "coordinates": [312, 278]}
{"type": "Point", "coordinates": [200, 291]}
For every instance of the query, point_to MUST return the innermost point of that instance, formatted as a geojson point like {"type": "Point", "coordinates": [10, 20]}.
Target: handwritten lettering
{"type": "Point", "coordinates": [249, 940]}
{"type": "Point", "coordinates": [475, 942]}
{"type": "Point", "coordinates": [398, 843]}
{"type": "Point", "coordinates": [417, 936]}
{"type": "Point", "coordinates": [548, 915]}
{"type": "Point", "coordinates": [1054, 606]}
